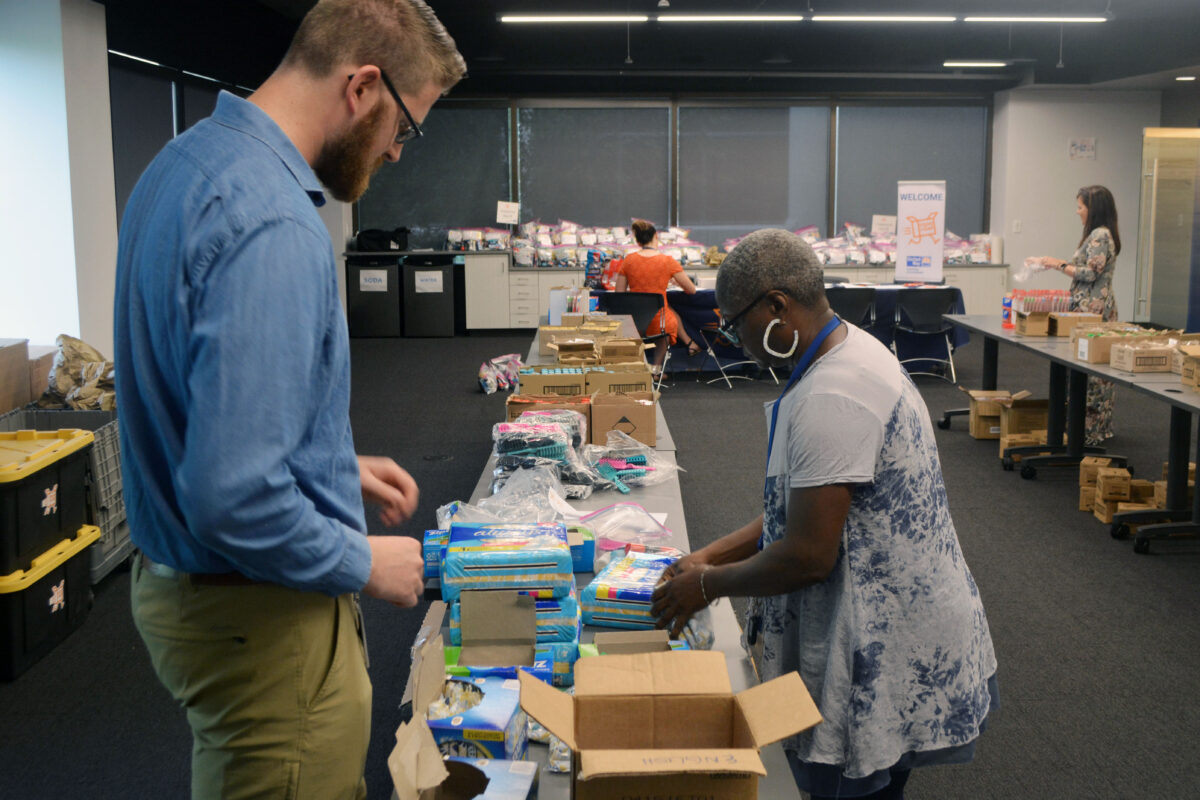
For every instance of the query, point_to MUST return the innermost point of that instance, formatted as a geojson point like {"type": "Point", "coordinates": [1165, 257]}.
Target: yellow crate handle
{"type": "Point", "coordinates": [50, 560]}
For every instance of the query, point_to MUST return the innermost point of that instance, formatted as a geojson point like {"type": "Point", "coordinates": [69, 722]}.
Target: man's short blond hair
{"type": "Point", "coordinates": [402, 37]}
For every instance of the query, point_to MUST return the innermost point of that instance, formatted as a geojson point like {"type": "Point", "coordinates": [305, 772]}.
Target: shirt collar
{"type": "Point", "coordinates": [248, 118]}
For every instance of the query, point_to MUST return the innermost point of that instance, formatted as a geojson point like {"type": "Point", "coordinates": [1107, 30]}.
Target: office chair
{"type": "Point", "coordinates": [712, 335]}
{"type": "Point", "coordinates": [854, 304]}
{"type": "Point", "coordinates": [919, 313]}
{"type": "Point", "coordinates": [642, 306]}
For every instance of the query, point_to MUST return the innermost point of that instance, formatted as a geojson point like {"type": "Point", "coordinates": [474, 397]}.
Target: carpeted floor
{"type": "Point", "coordinates": [1097, 646]}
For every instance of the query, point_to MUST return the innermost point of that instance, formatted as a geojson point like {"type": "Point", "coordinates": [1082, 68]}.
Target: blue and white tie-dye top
{"type": "Point", "coordinates": [894, 645]}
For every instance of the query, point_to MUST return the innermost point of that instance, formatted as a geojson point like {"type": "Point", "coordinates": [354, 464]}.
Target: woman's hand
{"type": "Point", "coordinates": [676, 600]}
{"type": "Point", "coordinates": [688, 562]}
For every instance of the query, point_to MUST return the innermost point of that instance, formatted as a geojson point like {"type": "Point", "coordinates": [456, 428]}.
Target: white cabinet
{"type": "Point", "coordinates": [570, 279]}
{"type": "Point", "coordinates": [485, 281]}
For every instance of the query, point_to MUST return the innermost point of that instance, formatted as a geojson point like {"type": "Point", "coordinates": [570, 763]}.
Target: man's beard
{"type": "Point", "coordinates": [344, 164]}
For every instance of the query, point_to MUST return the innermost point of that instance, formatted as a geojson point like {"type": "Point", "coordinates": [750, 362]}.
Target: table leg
{"type": "Point", "coordinates": [1060, 454]}
{"type": "Point", "coordinates": [991, 358]}
{"type": "Point", "coordinates": [1177, 479]}
{"type": "Point", "coordinates": [1177, 509]}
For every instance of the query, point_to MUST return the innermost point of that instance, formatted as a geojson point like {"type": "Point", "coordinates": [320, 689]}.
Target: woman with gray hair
{"type": "Point", "coordinates": [854, 568]}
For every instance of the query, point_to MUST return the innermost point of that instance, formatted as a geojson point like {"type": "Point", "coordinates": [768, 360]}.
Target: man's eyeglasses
{"type": "Point", "coordinates": [728, 326]}
{"type": "Point", "coordinates": [413, 131]}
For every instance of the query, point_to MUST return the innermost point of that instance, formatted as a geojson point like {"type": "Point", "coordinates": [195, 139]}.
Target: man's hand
{"type": "Point", "coordinates": [388, 486]}
{"type": "Point", "coordinates": [397, 570]}
{"type": "Point", "coordinates": [675, 601]}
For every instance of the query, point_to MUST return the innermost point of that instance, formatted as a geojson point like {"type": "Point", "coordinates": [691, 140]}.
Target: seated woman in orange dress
{"type": "Point", "coordinates": [651, 271]}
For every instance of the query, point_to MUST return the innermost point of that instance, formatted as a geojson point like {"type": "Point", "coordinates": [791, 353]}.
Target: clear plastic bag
{"type": "Point", "coordinates": [499, 373]}
{"type": "Point", "coordinates": [1032, 265]}
{"type": "Point", "coordinates": [522, 445]}
{"type": "Point", "coordinates": [624, 462]}
{"type": "Point", "coordinates": [623, 523]}
{"type": "Point", "coordinates": [574, 422]}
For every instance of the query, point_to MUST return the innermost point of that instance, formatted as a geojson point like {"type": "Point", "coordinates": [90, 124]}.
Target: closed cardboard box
{"type": "Point", "coordinates": [1020, 440]}
{"type": "Point", "coordinates": [1160, 494]}
{"type": "Point", "coordinates": [632, 414]}
{"type": "Point", "coordinates": [619, 378]}
{"type": "Point", "coordinates": [1087, 498]}
{"type": "Point", "coordinates": [14, 374]}
{"type": "Point", "coordinates": [1112, 483]}
{"type": "Point", "coordinates": [1141, 356]}
{"type": "Point", "coordinates": [1103, 510]}
{"type": "Point", "coordinates": [1033, 323]}
{"type": "Point", "coordinates": [520, 403]}
{"type": "Point", "coordinates": [1141, 491]}
{"type": "Point", "coordinates": [1088, 467]}
{"type": "Point", "coordinates": [1063, 322]}
{"type": "Point", "coordinates": [552, 380]}
{"type": "Point", "coordinates": [1191, 470]}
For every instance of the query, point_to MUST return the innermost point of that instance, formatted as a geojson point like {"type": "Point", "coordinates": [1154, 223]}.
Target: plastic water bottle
{"type": "Point", "coordinates": [1006, 320]}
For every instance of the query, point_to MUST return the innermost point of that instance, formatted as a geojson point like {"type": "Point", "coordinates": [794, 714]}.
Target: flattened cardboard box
{"type": "Point", "coordinates": [632, 414]}
{"type": "Point", "coordinates": [1063, 322]}
{"type": "Point", "coordinates": [667, 725]}
{"type": "Point", "coordinates": [516, 404]}
{"type": "Point", "coordinates": [41, 361]}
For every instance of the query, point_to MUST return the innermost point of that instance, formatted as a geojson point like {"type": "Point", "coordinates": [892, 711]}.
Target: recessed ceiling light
{"type": "Point", "coordinates": [573, 18]}
{"type": "Point", "coordinates": [1060, 20]}
{"type": "Point", "coordinates": [965, 64]}
{"type": "Point", "coordinates": [879, 18]}
{"type": "Point", "coordinates": [1185, 77]}
{"type": "Point", "coordinates": [730, 17]}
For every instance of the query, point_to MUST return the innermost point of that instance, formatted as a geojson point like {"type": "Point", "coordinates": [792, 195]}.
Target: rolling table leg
{"type": "Point", "coordinates": [1073, 451]}
{"type": "Point", "coordinates": [991, 352]}
{"type": "Point", "coordinates": [1178, 509]}
{"type": "Point", "coordinates": [1176, 468]}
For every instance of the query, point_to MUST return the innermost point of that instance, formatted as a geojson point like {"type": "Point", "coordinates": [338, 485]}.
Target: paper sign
{"type": "Point", "coordinates": [372, 280]}
{"type": "Point", "coordinates": [883, 225]}
{"type": "Point", "coordinates": [428, 282]}
{"type": "Point", "coordinates": [921, 228]}
{"type": "Point", "coordinates": [507, 213]}
{"type": "Point", "coordinates": [1082, 149]}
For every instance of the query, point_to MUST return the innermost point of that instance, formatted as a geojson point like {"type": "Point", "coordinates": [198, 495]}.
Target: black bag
{"type": "Point", "coordinates": [375, 240]}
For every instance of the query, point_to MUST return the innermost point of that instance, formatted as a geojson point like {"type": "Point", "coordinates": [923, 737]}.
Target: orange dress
{"type": "Point", "coordinates": [653, 274]}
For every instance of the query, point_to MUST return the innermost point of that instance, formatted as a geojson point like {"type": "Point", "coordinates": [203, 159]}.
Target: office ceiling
{"type": "Point", "coordinates": [240, 42]}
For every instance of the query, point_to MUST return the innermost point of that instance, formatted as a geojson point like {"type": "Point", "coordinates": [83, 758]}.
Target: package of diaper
{"type": "Point", "coordinates": [532, 557]}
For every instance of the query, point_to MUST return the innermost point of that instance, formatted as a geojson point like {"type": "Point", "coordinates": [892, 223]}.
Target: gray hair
{"type": "Point", "coordinates": [768, 259]}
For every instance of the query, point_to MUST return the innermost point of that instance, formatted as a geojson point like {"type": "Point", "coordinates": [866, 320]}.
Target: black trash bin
{"type": "Point", "coordinates": [373, 294]}
{"type": "Point", "coordinates": [430, 294]}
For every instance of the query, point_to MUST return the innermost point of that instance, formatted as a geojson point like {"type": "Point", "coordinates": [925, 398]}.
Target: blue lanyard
{"type": "Point", "coordinates": [797, 374]}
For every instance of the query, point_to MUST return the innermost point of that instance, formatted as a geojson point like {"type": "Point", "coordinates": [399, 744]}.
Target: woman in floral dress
{"type": "Point", "coordinates": [1091, 271]}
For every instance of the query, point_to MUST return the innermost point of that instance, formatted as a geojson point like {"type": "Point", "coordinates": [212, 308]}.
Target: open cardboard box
{"type": "Point", "coordinates": [667, 725]}
{"type": "Point", "coordinates": [1063, 322]}
{"type": "Point", "coordinates": [517, 404]}
{"type": "Point", "coordinates": [1033, 323]}
{"type": "Point", "coordinates": [551, 380]}
{"type": "Point", "coordinates": [1022, 414]}
{"type": "Point", "coordinates": [619, 377]}
{"type": "Point", "coordinates": [616, 351]}
{"type": "Point", "coordinates": [632, 413]}
{"type": "Point", "coordinates": [547, 334]}
{"type": "Point", "coordinates": [984, 418]}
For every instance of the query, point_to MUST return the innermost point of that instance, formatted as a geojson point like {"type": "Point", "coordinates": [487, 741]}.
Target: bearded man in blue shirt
{"type": "Point", "coordinates": [243, 490]}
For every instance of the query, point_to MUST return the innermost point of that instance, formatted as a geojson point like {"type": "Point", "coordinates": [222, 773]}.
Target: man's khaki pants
{"type": "Point", "coordinates": [274, 682]}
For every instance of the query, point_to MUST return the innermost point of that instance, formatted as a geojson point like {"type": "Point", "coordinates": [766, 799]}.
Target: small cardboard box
{"type": "Point", "coordinates": [1022, 414]}
{"type": "Point", "coordinates": [41, 361]}
{"type": "Point", "coordinates": [667, 725]}
{"type": "Point", "coordinates": [1191, 470]}
{"type": "Point", "coordinates": [1141, 491]}
{"type": "Point", "coordinates": [517, 404]}
{"type": "Point", "coordinates": [1160, 493]}
{"type": "Point", "coordinates": [552, 380]}
{"type": "Point", "coordinates": [1087, 498]}
{"type": "Point", "coordinates": [1095, 347]}
{"type": "Point", "coordinates": [633, 414]}
{"type": "Point", "coordinates": [1033, 323]}
{"type": "Point", "coordinates": [621, 377]}
{"type": "Point", "coordinates": [984, 419]}
{"type": "Point", "coordinates": [1019, 440]}
{"type": "Point", "coordinates": [1139, 356]}
{"type": "Point", "coordinates": [1189, 363]}
{"type": "Point", "coordinates": [14, 374]}
{"type": "Point", "coordinates": [1103, 510]}
{"type": "Point", "coordinates": [1088, 466]}
{"type": "Point", "coordinates": [1112, 483]}
{"type": "Point", "coordinates": [548, 333]}
{"type": "Point", "coordinates": [1121, 507]}
{"type": "Point", "coordinates": [1185, 344]}
{"type": "Point", "coordinates": [620, 351]}
{"type": "Point", "coordinates": [1063, 322]}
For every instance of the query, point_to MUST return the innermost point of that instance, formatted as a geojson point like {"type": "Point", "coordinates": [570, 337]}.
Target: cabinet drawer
{"type": "Point", "coordinates": [525, 321]}
{"type": "Point", "coordinates": [516, 279]}
{"type": "Point", "coordinates": [522, 308]}
{"type": "Point", "coordinates": [522, 293]}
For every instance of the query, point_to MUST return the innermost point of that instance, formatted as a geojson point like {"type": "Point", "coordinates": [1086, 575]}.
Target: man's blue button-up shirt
{"type": "Point", "coordinates": [233, 363]}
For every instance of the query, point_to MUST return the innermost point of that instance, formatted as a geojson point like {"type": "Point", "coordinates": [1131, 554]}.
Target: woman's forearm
{"type": "Point", "coordinates": [733, 547]}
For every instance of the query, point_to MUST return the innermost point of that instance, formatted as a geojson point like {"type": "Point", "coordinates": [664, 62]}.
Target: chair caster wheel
{"type": "Point", "coordinates": [1141, 546]}
{"type": "Point", "coordinates": [1119, 530]}
{"type": "Point", "coordinates": [944, 424]}
{"type": "Point", "coordinates": [1007, 463]}
{"type": "Point", "coordinates": [1028, 472]}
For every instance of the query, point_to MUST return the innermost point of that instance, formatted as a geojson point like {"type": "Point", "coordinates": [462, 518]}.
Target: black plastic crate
{"type": "Point", "coordinates": [41, 502]}
{"type": "Point", "coordinates": [41, 606]}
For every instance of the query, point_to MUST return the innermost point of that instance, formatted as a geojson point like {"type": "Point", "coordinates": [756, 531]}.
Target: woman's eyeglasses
{"type": "Point", "coordinates": [728, 326]}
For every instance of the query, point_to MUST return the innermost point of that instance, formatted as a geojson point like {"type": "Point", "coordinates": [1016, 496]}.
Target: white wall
{"type": "Point", "coordinates": [1034, 182]}
{"type": "Point", "coordinates": [93, 193]}
{"type": "Point", "coordinates": [337, 218]}
{"type": "Point", "coordinates": [39, 298]}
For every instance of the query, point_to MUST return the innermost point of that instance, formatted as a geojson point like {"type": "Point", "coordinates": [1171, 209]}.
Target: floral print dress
{"type": "Point", "coordinates": [1091, 290]}
{"type": "Point", "coordinates": [894, 644]}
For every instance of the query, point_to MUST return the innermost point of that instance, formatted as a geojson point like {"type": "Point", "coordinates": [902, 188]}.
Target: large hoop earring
{"type": "Point", "coordinates": [767, 343]}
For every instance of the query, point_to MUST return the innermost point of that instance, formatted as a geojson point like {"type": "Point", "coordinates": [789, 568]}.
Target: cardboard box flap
{"type": "Point", "coordinates": [627, 642]}
{"type": "Point", "coordinates": [1190, 350]}
{"type": "Point", "coordinates": [607, 763]}
{"type": "Point", "coordinates": [415, 763]}
{"type": "Point", "coordinates": [428, 670]}
{"type": "Point", "coordinates": [1018, 396]}
{"type": "Point", "coordinates": [778, 708]}
{"type": "Point", "coordinates": [554, 709]}
{"type": "Point", "coordinates": [985, 394]}
{"type": "Point", "coordinates": [674, 673]}
{"type": "Point", "coordinates": [499, 629]}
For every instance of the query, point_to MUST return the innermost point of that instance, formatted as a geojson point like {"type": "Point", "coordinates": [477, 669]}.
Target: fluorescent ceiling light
{"type": "Point", "coordinates": [730, 17]}
{"type": "Point", "coordinates": [974, 63]}
{"type": "Point", "coordinates": [1185, 77]}
{"type": "Point", "coordinates": [573, 18]}
{"type": "Point", "coordinates": [135, 58]}
{"type": "Point", "coordinates": [198, 75]}
{"type": "Point", "coordinates": [1036, 19]}
{"type": "Point", "coordinates": [879, 18]}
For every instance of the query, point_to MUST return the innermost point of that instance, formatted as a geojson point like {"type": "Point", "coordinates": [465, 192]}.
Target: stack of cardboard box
{"type": "Point", "coordinates": [1022, 421]}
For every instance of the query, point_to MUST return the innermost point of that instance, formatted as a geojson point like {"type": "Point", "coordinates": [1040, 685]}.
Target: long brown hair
{"type": "Point", "coordinates": [1102, 212]}
{"type": "Point", "coordinates": [643, 232]}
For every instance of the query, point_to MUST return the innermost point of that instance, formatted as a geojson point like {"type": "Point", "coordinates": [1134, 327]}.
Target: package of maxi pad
{"type": "Point", "coordinates": [553, 663]}
{"type": "Point", "coordinates": [479, 718]}
{"type": "Point", "coordinates": [620, 594]}
{"type": "Point", "coordinates": [490, 556]}
{"type": "Point", "coordinates": [558, 620]}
